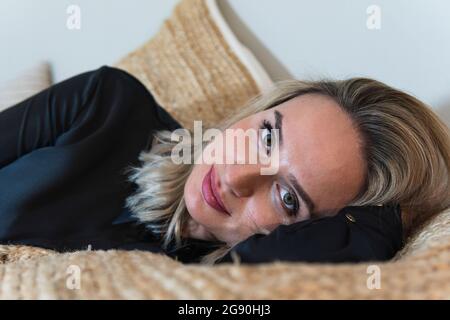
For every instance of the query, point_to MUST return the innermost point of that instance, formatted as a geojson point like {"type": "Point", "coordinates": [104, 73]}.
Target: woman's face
{"type": "Point", "coordinates": [320, 170]}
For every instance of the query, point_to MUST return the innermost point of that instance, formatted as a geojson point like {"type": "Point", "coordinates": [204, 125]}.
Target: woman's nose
{"type": "Point", "coordinates": [243, 179]}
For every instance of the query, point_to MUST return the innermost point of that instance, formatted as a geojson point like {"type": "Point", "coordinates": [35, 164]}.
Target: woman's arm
{"type": "Point", "coordinates": [43, 119]}
{"type": "Point", "coordinates": [63, 153]}
{"type": "Point", "coordinates": [39, 121]}
{"type": "Point", "coordinates": [355, 234]}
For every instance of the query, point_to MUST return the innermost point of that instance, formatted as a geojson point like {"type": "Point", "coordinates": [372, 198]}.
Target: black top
{"type": "Point", "coordinates": [63, 185]}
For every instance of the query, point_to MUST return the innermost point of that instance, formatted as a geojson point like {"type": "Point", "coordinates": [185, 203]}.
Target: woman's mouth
{"type": "Point", "coordinates": [210, 194]}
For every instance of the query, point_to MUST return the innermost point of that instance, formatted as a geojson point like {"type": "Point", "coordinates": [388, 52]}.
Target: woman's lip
{"type": "Point", "coordinates": [208, 193]}
{"type": "Point", "coordinates": [215, 191]}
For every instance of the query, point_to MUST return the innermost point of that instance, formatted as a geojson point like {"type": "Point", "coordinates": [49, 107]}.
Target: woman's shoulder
{"type": "Point", "coordinates": [117, 73]}
{"type": "Point", "coordinates": [112, 75]}
{"type": "Point", "coordinates": [124, 80]}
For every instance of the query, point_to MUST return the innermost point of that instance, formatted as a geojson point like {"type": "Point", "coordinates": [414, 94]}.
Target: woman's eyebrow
{"type": "Point", "coordinates": [279, 125]}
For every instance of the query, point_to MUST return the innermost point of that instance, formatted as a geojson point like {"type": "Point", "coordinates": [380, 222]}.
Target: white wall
{"type": "Point", "coordinates": [34, 30]}
{"type": "Point", "coordinates": [318, 38]}
{"type": "Point", "coordinates": [306, 39]}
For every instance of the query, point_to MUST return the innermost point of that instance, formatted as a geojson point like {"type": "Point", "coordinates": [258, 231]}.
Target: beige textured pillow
{"type": "Point", "coordinates": [195, 66]}
{"type": "Point", "coordinates": [26, 84]}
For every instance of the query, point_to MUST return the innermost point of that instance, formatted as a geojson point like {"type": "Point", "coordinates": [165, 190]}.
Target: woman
{"type": "Point", "coordinates": [79, 168]}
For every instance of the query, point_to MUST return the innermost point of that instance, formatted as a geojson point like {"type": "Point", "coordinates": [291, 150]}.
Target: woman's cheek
{"type": "Point", "coordinates": [192, 193]}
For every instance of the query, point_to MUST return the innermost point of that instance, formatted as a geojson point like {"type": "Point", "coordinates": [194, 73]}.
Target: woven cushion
{"type": "Point", "coordinates": [195, 67]}
{"type": "Point", "coordinates": [421, 271]}
{"type": "Point", "coordinates": [24, 85]}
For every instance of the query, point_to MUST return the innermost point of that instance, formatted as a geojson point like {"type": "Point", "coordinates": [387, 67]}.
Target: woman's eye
{"type": "Point", "coordinates": [289, 201]}
{"type": "Point", "coordinates": [266, 135]}
{"type": "Point", "coordinates": [267, 139]}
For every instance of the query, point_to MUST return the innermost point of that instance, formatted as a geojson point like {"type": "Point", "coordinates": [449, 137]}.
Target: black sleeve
{"type": "Point", "coordinates": [42, 119]}
{"type": "Point", "coordinates": [64, 151]}
{"type": "Point", "coordinates": [355, 234]}
{"type": "Point", "coordinates": [38, 121]}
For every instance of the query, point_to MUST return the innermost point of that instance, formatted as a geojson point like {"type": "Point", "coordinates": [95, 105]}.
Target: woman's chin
{"type": "Point", "coordinates": [196, 229]}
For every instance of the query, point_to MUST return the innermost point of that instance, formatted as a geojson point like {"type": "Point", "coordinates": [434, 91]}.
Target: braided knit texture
{"type": "Point", "coordinates": [190, 69]}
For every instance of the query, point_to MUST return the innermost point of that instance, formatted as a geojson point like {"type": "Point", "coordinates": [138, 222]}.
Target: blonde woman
{"type": "Point", "coordinates": [89, 162]}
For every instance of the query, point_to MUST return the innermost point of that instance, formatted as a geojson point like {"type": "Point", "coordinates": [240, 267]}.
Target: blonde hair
{"type": "Point", "coordinates": [405, 144]}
